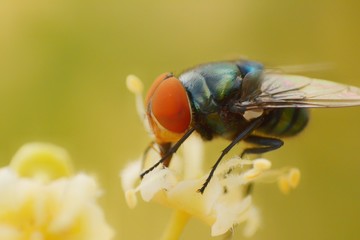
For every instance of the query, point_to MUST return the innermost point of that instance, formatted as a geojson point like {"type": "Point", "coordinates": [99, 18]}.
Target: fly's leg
{"type": "Point", "coordinates": [268, 144]}
{"type": "Point", "coordinates": [164, 148]}
{"type": "Point", "coordinates": [147, 149]}
{"type": "Point", "coordinates": [265, 144]}
{"type": "Point", "coordinates": [252, 126]}
{"type": "Point", "coordinates": [167, 156]}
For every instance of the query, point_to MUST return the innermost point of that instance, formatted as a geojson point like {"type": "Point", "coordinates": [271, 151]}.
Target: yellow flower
{"type": "Point", "coordinates": [227, 200]}
{"type": "Point", "coordinates": [41, 198]}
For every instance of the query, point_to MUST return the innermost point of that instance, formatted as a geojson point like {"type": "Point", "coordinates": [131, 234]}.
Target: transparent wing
{"type": "Point", "coordinates": [283, 91]}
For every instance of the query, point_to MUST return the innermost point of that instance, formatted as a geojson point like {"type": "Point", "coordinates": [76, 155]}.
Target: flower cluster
{"type": "Point", "coordinates": [227, 200]}
{"type": "Point", "coordinates": [41, 198]}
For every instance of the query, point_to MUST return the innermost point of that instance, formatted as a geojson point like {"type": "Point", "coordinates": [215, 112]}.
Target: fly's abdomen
{"type": "Point", "coordinates": [285, 122]}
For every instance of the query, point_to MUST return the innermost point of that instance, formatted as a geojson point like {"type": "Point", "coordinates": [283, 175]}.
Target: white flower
{"type": "Point", "coordinates": [50, 207]}
{"type": "Point", "coordinates": [226, 201]}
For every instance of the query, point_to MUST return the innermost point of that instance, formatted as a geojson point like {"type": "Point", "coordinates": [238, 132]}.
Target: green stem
{"type": "Point", "coordinates": [176, 225]}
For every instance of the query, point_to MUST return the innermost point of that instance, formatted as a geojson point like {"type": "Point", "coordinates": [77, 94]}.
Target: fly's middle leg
{"type": "Point", "coordinates": [264, 144]}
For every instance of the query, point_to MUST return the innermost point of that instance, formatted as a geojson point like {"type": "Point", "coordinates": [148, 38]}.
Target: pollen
{"type": "Point", "coordinates": [294, 177]}
{"type": "Point", "coordinates": [289, 180]}
{"type": "Point", "coordinates": [283, 184]}
{"type": "Point", "coordinates": [251, 174]}
{"type": "Point", "coordinates": [259, 167]}
{"type": "Point", "coordinates": [262, 164]}
{"type": "Point", "coordinates": [134, 84]}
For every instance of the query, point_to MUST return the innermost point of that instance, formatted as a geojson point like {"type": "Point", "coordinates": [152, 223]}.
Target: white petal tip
{"type": "Point", "coordinates": [253, 222]}
{"type": "Point", "coordinates": [131, 199]}
{"type": "Point", "coordinates": [218, 230]}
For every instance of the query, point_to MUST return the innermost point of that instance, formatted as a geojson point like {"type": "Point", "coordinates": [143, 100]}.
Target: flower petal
{"type": "Point", "coordinates": [156, 180]}
{"type": "Point", "coordinates": [228, 214]}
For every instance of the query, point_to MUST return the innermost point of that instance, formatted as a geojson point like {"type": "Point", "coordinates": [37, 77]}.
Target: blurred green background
{"type": "Point", "coordinates": [62, 79]}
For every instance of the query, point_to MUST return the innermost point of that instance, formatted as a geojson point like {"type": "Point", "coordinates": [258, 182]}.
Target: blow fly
{"type": "Point", "coordinates": [236, 100]}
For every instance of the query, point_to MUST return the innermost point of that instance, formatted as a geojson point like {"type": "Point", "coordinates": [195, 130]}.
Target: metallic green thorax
{"type": "Point", "coordinates": [212, 89]}
{"type": "Point", "coordinates": [211, 84]}
{"type": "Point", "coordinates": [209, 87]}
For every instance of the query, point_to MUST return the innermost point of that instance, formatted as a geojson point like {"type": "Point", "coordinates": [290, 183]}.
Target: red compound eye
{"type": "Point", "coordinates": [154, 86]}
{"type": "Point", "coordinates": [168, 103]}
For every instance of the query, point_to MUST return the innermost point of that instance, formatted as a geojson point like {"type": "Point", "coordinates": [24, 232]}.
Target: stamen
{"type": "Point", "coordinates": [294, 177]}
{"type": "Point", "coordinates": [283, 184]}
{"type": "Point", "coordinates": [232, 164]}
{"type": "Point", "coordinates": [262, 164]}
{"type": "Point", "coordinates": [134, 84]}
{"type": "Point", "coordinates": [251, 174]}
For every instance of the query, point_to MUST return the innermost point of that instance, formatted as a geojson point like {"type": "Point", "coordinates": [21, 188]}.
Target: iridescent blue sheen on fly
{"type": "Point", "coordinates": [212, 87]}
{"type": "Point", "coordinates": [236, 100]}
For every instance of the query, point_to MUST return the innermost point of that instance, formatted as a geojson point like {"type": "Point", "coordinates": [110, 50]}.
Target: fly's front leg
{"type": "Point", "coordinates": [170, 150]}
{"type": "Point", "coordinates": [146, 152]}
